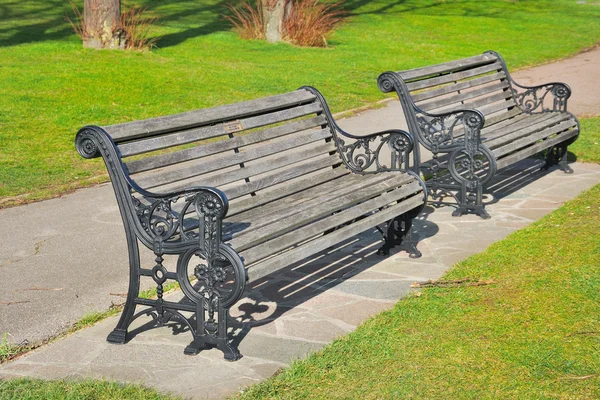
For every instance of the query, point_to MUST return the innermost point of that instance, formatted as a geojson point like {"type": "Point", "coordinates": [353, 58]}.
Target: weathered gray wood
{"type": "Point", "coordinates": [284, 189]}
{"type": "Point", "coordinates": [454, 87]}
{"type": "Point", "coordinates": [533, 138]}
{"type": "Point", "coordinates": [495, 119]}
{"type": "Point", "coordinates": [282, 223]}
{"type": "Point", "coordinates": [256, 169]}
{"type": "Point", "coordinates": [301, 234]}
{"type": "Point", "coordinates": [529, 151]}
{"type": "Point", "coordinates": [456, 65]}
{"type": "Point", "coordinates": [225, 160]}
{"type": "Point", "coordinates": [178, 138]}
{"type": "Point", "coordinates": [321, 243]}
{"type": "Point", "coordinates": [308, 197]}
{"type": "Point", "coordinates": [207, 116]}
{"type": "Point", "coordinates": [456, 100]}
{"type": "Point", "coordinates": [525, 128]}
{"type": "Point", "coordinates": [206, 149]}
{"type": "Point", "coordinates": [455, 76]}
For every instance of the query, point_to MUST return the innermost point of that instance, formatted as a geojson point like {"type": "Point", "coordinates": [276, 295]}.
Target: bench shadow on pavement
{"type": "Point", "coordinates": [505, 183]}
{"type": "Point", "coordinates": [272, 296]}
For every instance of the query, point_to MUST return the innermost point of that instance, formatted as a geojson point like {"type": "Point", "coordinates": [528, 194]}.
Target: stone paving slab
{"type": "Point", "coordinates": [286, 316]}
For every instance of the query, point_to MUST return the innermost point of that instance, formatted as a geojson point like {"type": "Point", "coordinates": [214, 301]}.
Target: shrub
{"type": "Point", "coordinates": [306, 23]}
{"type": "Point", "coordinates": [247, 19]}
{"type": "Point", "coordinates": [310, 21]}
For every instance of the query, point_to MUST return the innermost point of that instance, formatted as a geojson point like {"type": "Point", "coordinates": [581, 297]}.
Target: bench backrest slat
{"type": "Point", "coordinates": [211, 148]}
{"type": "Point", "coordinates": [208, 116]}
{"type": "Point", "coordinates": [478, 81]}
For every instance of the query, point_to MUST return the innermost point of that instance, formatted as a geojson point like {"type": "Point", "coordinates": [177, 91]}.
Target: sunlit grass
{"type": "Point", "coordinates": [51, 86]}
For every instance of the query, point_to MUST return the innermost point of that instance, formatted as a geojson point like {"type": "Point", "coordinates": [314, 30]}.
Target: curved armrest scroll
{"type": "Point", "coordinates": [363, 155]}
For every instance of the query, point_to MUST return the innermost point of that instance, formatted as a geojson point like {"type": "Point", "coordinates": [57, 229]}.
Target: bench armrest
{"type": "Point", "coordinates": [437, 132]}
{"type": "Point", "coordinates": [548, 97]}
{"type": "Point", "coordinates": [367, 154]}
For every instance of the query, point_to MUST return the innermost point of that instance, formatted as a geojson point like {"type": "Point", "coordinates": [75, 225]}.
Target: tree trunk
{"type": "Point", "coordinates": [273, 14]}
{"type": "Point", "coordinates": [101, 24]}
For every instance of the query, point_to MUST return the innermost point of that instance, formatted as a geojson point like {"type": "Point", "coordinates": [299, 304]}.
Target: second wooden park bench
{"type": "Point", "coordinates": [476, 119]}
{"type": "Point", "coordinates": [240, 191]}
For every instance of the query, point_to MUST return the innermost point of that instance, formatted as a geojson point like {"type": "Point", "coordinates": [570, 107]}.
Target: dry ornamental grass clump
{"type": "Point", "coordinates": [305, 22]}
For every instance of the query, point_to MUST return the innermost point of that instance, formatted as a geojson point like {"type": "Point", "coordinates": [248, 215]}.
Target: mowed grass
{"type": "Point", "coordinates": [51, 86]}
{"type": "Point", "coordinates": [587, 146]}
{"type": "Point", "coordinates": [533, 333]}
{"type": "Point", "coordinates": [25, 389]}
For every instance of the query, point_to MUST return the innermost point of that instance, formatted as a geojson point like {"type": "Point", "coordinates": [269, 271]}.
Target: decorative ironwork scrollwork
{"type": "Point", "coordinates": [366, 152]}
{"type": "Point", "coordinates": [550, 97]}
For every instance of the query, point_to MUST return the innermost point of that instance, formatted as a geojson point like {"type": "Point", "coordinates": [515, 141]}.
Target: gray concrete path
{"type": "Point", "coordinates": [66, 257]}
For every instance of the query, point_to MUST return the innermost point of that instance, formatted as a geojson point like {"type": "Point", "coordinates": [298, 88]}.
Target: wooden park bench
{"type": "Point", "coordinates": [239, 191]}
{"type": "Point", "coordinates": [476, 119]}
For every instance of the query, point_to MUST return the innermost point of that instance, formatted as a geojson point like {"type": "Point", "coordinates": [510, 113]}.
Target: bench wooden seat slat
{"type": "Point", "coordinates": [280, 191]}
{"type": "Point", "coordinates": [306, 232]}
{"type": "Point", "coordinates": [207, 116]}
{"type": "Point", "coordinates": [162, 160]}
{"type": "Point", "coordinates": [506, 122]}
{"type": "Point", "coordinates": [286, 221]}
{"type": "Point", "coordinates": [321, 243]}
{"type": "Point", "coordinates": [540, 134]}
{"type": "Point", "coordinates": [524, 129]}
{"type": "Point", "coordinates": [183, 137]}
{"type": "Point", "coordinates": [536, 148]}
{"type": "Point", "coordinates": [311, 197]}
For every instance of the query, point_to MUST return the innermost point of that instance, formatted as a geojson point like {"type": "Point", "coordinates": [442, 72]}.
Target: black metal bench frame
{"type": "Point", "coordinates": [189, 221]}
{"type": "Point", "coordinates": [475, 119]}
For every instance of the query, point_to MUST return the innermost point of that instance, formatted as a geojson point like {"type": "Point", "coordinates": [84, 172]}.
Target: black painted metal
{"type": "Point", "coordinates": [217, 272]}
{"type": "Point", "coordinates": [470, 163]}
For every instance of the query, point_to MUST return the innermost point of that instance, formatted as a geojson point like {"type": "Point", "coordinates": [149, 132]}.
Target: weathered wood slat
{"type": "Point", "coordinates": [450, 88]}
{"type": "Point", "coordinates": [256, 169]}
{"type": "Point", "coordinates": [524, 128]}
{"type": "Point", "coordinates": [225, 160]}
{"type": "Point", "coordinates": [494, 119]}
{"type": "Point", "coordinates": [532, 138]}
{"type": "Point", "coordinates": [494, 107]}
{"type": "Point", "coordinates": [458, 99]}
{"type": "Point", "coordinates": [188, 136]}
{"type": "Point", "coordinates": [454, 77]}
{"type": "Point", "coordinates": [299, 200]}
{"type": "Point", "coordinates": [536, 148]}
{"type": "Point", "coordinates": [321, 243]}
{"type": "Point", "coordinates": [269, 226]}
{"type": "Point", "coordinates": [285, 189]}
{"type": "Point", "coordinates": [207, 116]}
{"type": "Point", "coordinates": [456, 65]}
{"type": "Point", "coordinates": [508, 123]}
{"type": "Point", "coordinates": [282, 176]}
{"type": "Point", "coordinates": [206, 149]}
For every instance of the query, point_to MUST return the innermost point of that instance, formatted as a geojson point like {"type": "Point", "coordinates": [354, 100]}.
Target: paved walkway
{"type": "Point", "coordinates": [68, 257]}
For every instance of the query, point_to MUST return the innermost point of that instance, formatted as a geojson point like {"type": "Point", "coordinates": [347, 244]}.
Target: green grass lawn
{"type": "Point", "coordinates": [51, 86]}
{"type": "Point", "coordinates": [28, 389]}
{"type": "Point", "coordinates": [534, 333]}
